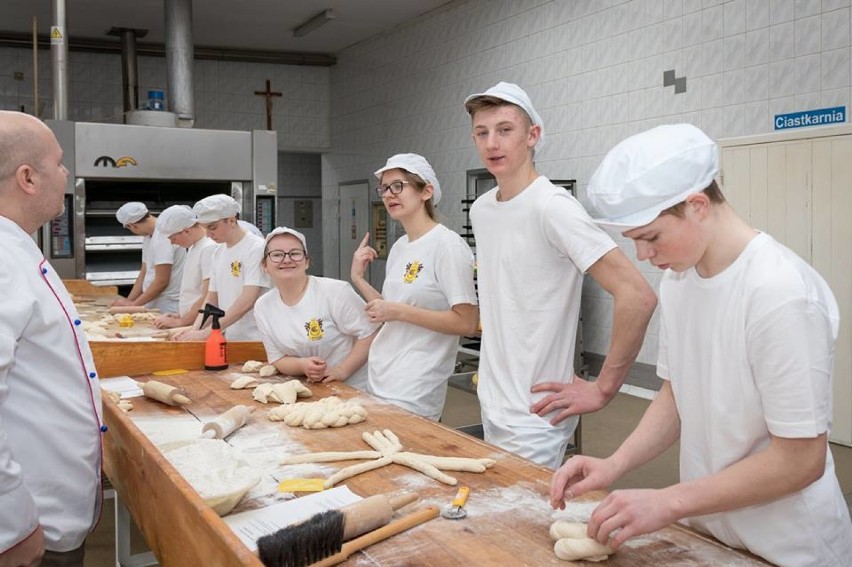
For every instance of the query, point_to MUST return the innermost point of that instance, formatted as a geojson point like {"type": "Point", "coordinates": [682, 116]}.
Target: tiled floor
{"type": "Point", "coordinates": [602, 432]}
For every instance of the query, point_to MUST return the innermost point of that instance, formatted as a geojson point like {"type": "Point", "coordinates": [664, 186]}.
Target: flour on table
{"type": "Point", "coordinates": [210, 466]}
{"type": "Point", "coordinates": [575, 511]}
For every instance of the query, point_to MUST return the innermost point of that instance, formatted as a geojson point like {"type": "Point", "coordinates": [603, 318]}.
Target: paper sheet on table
{"type": "Point", "coordinates": [252, 524]}
{"type": "Point", "coordinates": [126, 386]}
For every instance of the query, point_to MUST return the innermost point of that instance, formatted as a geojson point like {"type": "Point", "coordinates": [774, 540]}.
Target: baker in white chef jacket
{"type": "Point", "coordinates": [158, 284]}
{"type": "Point", "coordinates": [50, 403]}
{"type": "Point", "coordinates": [237, 278]}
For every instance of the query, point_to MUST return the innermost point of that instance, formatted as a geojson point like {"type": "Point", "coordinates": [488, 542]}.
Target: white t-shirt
{"type": "Point", "coordinates": [249, 227]}
{"type": "Point", "coordinates": [531, 252]}
{"type": "Point", "coordinates": [196, 269]}
{"type": "Point", "coordinates": [50, 404]}
{"type": "Point", "coordinates": [157, 250]}
{"type": "Point", "coordinates": [750, 352]}
{"type": "Point", "coordinates": [234, 268]}
{"type": "Point", "coordinates": [326, 322]}
{"type": "Point", "coordinates": [409, 365]}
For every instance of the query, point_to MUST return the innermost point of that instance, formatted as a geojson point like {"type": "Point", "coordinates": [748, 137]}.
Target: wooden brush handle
{"type": "Point", "coordinates": [381, 534]}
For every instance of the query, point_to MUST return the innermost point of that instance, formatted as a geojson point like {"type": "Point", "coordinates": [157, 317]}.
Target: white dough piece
{"type": "Point", "coordinates": [244, 381]}
{"type": "Point", "coordinates": [572, 543]}
{"type": "Point", "coordinates": [285, 393]}
{"type": "Point", "coordinates": [268, 370]}
{"type": "Point", "coordinates": [585, 549]}
{"type": "Point", "coordinates": [562, 529]}
{"type": "Point", "coordinates": [328, 412]}
{"type": "Point", "coordinates": [252, 366]}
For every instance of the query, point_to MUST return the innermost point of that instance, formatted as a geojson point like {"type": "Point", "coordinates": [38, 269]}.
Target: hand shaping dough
{"type": "Point", "coordinates": [328, 412]}
{"type": "Point", "coordinates": [244, 381]}
{"type": "Point", "coordinates": [572, 544]}
{"type": "Point", "coordinates": [285, 393]}
{"type": "Point", "coordinates": [252, 366]}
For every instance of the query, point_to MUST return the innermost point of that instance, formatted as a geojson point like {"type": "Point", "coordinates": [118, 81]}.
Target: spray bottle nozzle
{"type": "Point", "coordinates": [211, 310]}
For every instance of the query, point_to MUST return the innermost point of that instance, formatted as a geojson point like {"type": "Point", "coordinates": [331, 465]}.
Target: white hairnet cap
{"type": "Point", "coordinates": [510, 92]}
{"type": "Point", "coordinates": [284, 230]}
{"type": "Point", "coordinates": [651, 171]}
{"type": "Point", "coordinates": [131, 212]}
{"type": "Point", "coordinates": [175, 219]}
{"type": "Point", "coordinates": [215, 207]}
{"type": "Point", "coordinates": [418, 165]}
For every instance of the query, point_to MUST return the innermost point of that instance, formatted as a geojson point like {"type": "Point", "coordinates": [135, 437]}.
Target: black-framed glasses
{"type": "Point", "coordinates": [395, 188]}
{"type": "Point", "coordinates": [277, 256]}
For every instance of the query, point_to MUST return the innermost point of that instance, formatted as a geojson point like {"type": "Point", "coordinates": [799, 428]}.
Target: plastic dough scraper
{"type": "Point", "coordinates": [456, 511]}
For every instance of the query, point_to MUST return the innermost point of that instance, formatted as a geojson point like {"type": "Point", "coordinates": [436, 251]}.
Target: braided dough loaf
{"type": "Point", "coordinates": [328, 412]}
{"type": "Point", "coordinates": [285, 393]}
{"type": "Point", "coordinates": [572, 543]}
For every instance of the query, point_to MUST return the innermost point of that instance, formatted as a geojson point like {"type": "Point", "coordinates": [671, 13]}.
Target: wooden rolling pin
{"type": "Point", "coordinates": [381, 534]}
{"type": "Point", "coordinates": [226, 423]}
{"type": "Point", "coordinates": [372, 512]}
{"type": "Point", "coordinates": [166, 393]}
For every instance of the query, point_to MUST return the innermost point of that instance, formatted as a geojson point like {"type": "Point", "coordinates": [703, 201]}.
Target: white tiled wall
{"type": "Point", "coordinates": [223, 92]}
{"type": "Point", "coordinates": [594, 70]}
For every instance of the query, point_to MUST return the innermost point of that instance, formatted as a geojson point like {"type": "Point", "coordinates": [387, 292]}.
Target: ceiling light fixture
{"type": "Point", "coordinates": [322, 18]}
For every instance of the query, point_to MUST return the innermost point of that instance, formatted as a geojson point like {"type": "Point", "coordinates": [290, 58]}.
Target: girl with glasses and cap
{"type": "Point", "coordinates": [311, 326]}
{"type": "Point", "coordinates": [428, 298]}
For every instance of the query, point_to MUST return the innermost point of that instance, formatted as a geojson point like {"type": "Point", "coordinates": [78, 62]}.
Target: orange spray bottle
{"type": "Point", "coordinates": [216, 347]}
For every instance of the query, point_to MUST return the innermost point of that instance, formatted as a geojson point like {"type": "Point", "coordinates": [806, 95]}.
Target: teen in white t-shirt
{"type": "Point", "coordinates": [158, 284]}
{"type": "Point", "coordinates": [747, 335]}
{"type": "Point", "coordinates": [237, 278]}
{"type": "Point", "coordinates": [311, 326]}
{"type": "Point", "coordinates": [428, 297]}
{"type": "Point", "coordinates": [180, 225]}
{"type": "Point", "coordinates": [534, 242]}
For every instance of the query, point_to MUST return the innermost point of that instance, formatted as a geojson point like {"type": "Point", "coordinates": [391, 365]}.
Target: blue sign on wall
{"type": "Point", "coordinates": [819, 117]}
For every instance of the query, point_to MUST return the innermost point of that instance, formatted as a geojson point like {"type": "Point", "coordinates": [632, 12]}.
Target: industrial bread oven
{"type": "Point", "coordinates": [110, 164]}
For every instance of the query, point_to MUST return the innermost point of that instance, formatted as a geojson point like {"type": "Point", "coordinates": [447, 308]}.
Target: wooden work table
{"type": "Point", "coordinates": [508, 510]}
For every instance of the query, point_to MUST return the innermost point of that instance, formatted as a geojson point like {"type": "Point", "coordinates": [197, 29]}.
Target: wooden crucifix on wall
{"type": "Point", "coordinates": [268, 93]}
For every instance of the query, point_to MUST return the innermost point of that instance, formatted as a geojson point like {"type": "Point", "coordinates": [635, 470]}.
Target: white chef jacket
{"type": "Point", "coordinates": [50, 404]}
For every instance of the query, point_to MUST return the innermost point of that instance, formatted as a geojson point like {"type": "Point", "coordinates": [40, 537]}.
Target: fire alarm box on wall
{"type": "Point", "coordinates": [379, 229]}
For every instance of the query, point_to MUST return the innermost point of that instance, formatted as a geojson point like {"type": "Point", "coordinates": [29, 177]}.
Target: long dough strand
{"type": "Point", "coordinates": [354, 470]}
{"type": "Point", "coordinates": [330, 457]}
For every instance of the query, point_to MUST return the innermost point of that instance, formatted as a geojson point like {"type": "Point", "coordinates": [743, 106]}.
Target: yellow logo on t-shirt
{"type": "Point", "coordinates": [236, 268]}
{"type": "Point", "coordinates": [314, 329]}
{"type": "Point", "coordinates": [412, 269]}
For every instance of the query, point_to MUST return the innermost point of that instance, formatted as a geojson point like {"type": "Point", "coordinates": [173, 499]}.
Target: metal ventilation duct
{"type": "Point", "coordinates": [179, 58]}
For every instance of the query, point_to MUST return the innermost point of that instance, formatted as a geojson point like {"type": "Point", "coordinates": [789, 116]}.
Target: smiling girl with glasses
{"type": "Point", "coordinates": [428, 297]}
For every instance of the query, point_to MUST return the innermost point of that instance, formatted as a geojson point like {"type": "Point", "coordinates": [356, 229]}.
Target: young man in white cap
{"type": "Point", "coordinates": [179, 224]}
{"type": "Point", "coordinates": [236, 278]}
{"type": "Point", "coordinates": [747, 332]}
{"type": "Point", "coordinates": [428, 298]}
{"type": "Point", "coordinates": [534, 242]}
{"type": "Point", "coordinates": [158, 284]}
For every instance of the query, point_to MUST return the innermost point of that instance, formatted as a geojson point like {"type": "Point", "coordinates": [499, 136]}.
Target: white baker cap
{"type": "Point", "coordinates": [510, 92]}
{"type": "Point", "coordinates": [651, 171]}
{"type": "Point", "coordinates": [175, 219]}
{"type": "Point", "coordinates": [284, 230]}
{"type": "Point", "coordinates": [216, 207]}
{"type": "Point", "coordinates": [131, 212]}
{"type": "Point", "coordinates": [417, 165]}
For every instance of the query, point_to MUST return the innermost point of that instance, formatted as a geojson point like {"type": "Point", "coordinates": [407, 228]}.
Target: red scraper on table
{"type": "Point", "coordinates": [456, 511]}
